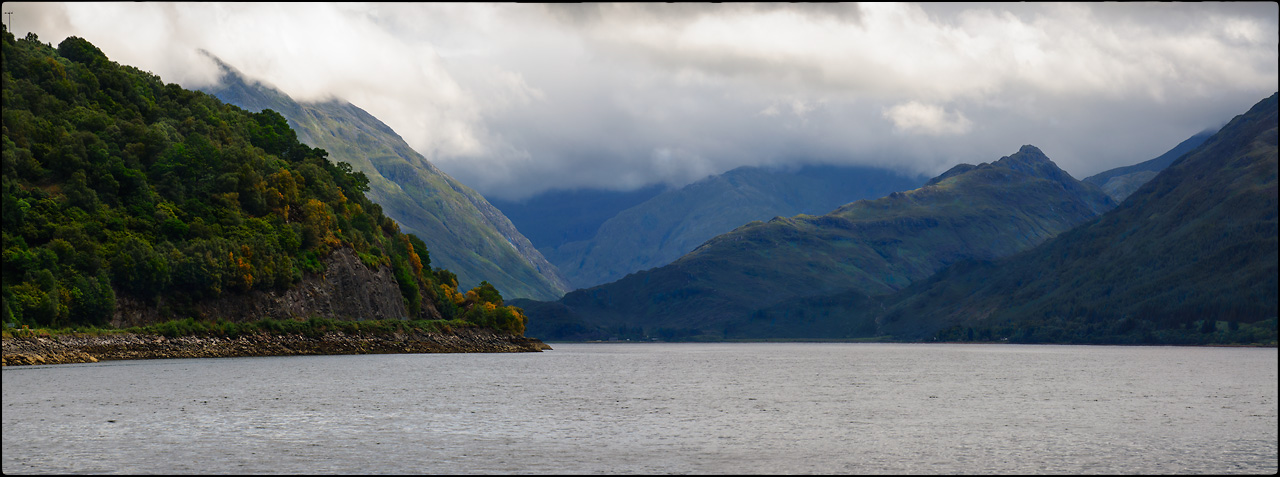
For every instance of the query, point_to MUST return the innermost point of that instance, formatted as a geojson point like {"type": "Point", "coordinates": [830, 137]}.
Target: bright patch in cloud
{"type": "Point", "coordinates": [918, 118]}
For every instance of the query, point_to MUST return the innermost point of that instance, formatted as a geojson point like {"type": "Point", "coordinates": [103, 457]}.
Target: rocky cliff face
{"type": "Point", "coordinates": [347, 290]}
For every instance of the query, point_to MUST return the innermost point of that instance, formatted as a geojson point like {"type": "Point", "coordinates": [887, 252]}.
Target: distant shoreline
{"type": "Point", "coordinates": [866, 341]}
{"type": "Point", "coordinates": [84, 348]}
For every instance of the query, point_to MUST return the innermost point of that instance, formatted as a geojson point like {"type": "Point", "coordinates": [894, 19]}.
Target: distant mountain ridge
{"type": "Point", "coordinates": [872, 246]}
{"type": "Point", "coordinates": [1122, 181]}
{"type": "Point", "coordinates": [555, 217]}
{"type": "Point", "coordinates": [674, 222]}
{"type": "Point", "coordinates": [465, 233]}
{"type": "Point", "coordinates": [1193, 247]}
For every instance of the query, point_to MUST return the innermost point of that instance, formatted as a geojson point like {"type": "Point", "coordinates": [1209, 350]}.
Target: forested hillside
{"type": "Point", "coordinates": [117, 185]}
{"type": "Point", "coordinates": [467, 234]}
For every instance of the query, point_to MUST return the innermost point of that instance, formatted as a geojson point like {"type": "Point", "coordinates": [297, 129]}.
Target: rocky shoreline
{"type": "Point", "coordinates": [63, 349]}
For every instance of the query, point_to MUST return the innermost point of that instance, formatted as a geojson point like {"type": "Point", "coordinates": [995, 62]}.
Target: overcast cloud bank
{"type": "Point", "coordinates": [515, 99]}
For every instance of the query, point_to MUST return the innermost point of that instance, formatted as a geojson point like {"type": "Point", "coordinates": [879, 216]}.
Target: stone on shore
{"type": "Point", "coordinates": [63, 349]}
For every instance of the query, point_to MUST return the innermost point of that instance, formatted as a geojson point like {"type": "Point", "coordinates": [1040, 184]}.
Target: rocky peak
{"type": "Point", "coordinates": [1030, 160]}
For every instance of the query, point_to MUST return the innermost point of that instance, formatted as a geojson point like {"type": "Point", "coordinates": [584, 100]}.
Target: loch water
{"type": "Point", "coordinates": [689, 408]}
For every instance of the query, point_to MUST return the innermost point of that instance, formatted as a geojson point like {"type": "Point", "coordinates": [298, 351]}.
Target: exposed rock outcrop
{"type": "Point", "coordinates": [347, 290]}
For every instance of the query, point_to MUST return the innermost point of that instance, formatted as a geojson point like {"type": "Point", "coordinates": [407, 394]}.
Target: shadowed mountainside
{"type": "Point", "coordinates": [555, 217]}
{"type": "Point", "coordinates": [872, 246]}
{"type": "Point", "coordinates": [673, 223]}
{"type": "Point", "coordinates": [466, 234]}
{"type": "Point", "coordinates": [1122, 181]}
{"type": "Point", "coordinates": [1195, 246]}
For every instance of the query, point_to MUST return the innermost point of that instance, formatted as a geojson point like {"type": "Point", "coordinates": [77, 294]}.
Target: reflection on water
{"type": "Point", "coordinates": [657, 408]}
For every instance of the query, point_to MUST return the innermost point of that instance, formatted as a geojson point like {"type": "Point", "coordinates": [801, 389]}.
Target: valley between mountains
{"type": "Point", "coordinates": [131, 202]}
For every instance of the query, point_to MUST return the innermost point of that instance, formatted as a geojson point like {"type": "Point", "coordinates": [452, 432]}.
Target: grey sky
{"type": "Point", "coordinates": [513, 99]}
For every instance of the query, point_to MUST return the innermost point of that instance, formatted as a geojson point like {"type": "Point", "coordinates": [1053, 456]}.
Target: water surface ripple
{"type": "Point", "coordinates": [827, 408]}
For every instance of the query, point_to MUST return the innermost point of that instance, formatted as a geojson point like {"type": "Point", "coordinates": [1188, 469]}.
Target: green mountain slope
{"type": "Point", "coordinates": [1122, 181]}
{"type": "Point", "coordinates": [1193, 247]}
{"type": "Point", "coordinates": [664, 228]}
{"type": "Point", "coordinates": [124, 196]}
{"type": "Point", "coordinates": [872, 246]}
{"type": "Point", "coordinates": [466, 234]}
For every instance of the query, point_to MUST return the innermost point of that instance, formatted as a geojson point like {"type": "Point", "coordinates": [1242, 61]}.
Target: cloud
{"type": "Point", "coordinates": [913, 117]}
{"type": "Point", "coordinates": [313, 52]}
{"type": "Point", "coordinates": [514, 99]}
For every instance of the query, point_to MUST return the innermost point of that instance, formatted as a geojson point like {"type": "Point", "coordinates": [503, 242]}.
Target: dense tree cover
{"type": "Point", "coordinates": [467, 234]}
{"type": "Point", "coordinates": [117, 183]}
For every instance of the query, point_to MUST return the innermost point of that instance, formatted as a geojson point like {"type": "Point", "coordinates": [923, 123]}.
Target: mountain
{"type": "Point", "coordinates": [673, 223]}
{"type": "Point", "coordinates": [1122, 181]}
{"type": "Point", "coordinates": [466, 234]}
{"type": "Point", "coordinates": [1190, 257]}
{"type": "Point", "coordinates": [129, 201]}
{"type": "Point", "coordinates": [553, 218]}
{"type": "Point", "coordinates": [872, 246]}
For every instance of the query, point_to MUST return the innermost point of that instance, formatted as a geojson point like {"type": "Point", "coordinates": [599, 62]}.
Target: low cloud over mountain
{"type": "Point", "coordinates": [515, 99]}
